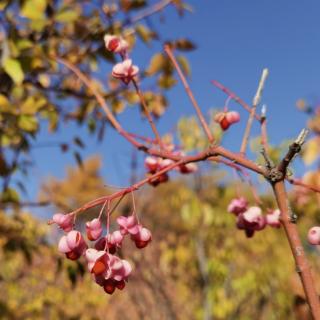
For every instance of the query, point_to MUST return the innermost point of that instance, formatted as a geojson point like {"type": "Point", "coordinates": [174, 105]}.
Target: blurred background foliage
{"type": "Point", "coordinates": [199, 265]}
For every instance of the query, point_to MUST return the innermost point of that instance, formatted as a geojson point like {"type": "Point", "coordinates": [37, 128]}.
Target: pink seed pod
{"type": "Point", "coordinates": [160, 179]}
{"type": "Point", "coordinates": [151, 164]}
{"type": "Point", "coordinates": [125, 71]}
{"type": "Point", "coordinates": [253, 219]}
{"type": "Point", "coordinates": [237, 205]}
{"type": "Point", "coordinates": [119, 269]}
{"type": "Point", "coordinates": [93, 229]}
{"type": "Point", "coordinates": [115, 44]}
{"type": "Point", "coordinates": [73, 245]}
{"type": "Point", "coordinates": [142, 238]}
{"type": "Point", "coordinates": [225, 119]}
{"type": "Point", "coordinates": [233, 117]}
{"type": "Point", "coordinates": [314, 236]}
{"type": "Point", "coordinates": [273, 219]}
{"type": "Point", "coordinates": [128, 225]}
{"type": "Point", "coordinates": [97, 261]}
{"type": "Point", "coordinates": [64, 221]}
{"type": "Point", "coordinates": [164, 163]}
{"type": "Point", "coordinates": [188, 168]}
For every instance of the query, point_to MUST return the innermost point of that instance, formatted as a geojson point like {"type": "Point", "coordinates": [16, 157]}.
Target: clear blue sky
{"type": "Point", "coordinates": [236, 39]}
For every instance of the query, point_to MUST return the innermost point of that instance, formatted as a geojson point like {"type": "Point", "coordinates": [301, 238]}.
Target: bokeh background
{"type": "Point", "coordinates": [57, 152]}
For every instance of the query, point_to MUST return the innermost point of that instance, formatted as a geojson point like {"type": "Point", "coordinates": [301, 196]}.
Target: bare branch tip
{"type": "Point", "coordinates": [302, 137]}
{"type": "Point", "coordinates": [257, 97]}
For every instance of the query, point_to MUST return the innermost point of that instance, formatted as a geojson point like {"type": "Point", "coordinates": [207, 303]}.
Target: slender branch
{"type": "Point", "coordinates": [204, 124]}
{"type": "Point", "coordinates": [150, 11]}
{"type": "Point", "coordinates": [147, 113]}
{"type": "Point", "coordinates": [233, 96]}
{"type": "Point", "coordinates": [255, 102]}
{"type": "Point", "coordinates": [154, 152]}
{"type": "Point", "coordinates": [294, 149]}
{"type": "Point", "coordinates": [123, 192]}
{"type": "Point", "coordinates": [25, 204]}
{"type": "Point", "coordinates": [263, 124]}
{"type": "Point", "coordinates": [296, 246]}
{"type": "Point", "coordinates": [300, 183]}
{"type": "Point", "coordinates": [114, 122]}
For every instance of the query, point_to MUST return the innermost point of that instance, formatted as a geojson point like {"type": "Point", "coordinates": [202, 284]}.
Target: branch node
{"type": "Point", "coordinates": [263, 112]}
{"type": "Point", "coordinates": [293, 217]}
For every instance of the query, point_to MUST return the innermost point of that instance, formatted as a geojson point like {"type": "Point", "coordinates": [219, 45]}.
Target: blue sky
{"type": "Point", "coordinates": [236, 39]}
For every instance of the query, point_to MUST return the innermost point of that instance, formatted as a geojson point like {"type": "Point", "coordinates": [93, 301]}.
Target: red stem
{"type": "Point", "coordinates": [147, 113]}
{"type": "Point", "coordinates": [203, 122]}
{"type": "Point", "coordinates": [233, 96]}
{"type": "Point", "coordinates": [264, 134]}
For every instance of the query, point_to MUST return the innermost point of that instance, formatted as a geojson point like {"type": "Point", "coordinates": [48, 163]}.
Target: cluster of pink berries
{"type": "Point", "coordinates": [155, 164]}
{"type": "Point", "coordinates": [226, 119]}
{"type": "Point", "coordinates": [109, 271]}
{"type": "Point", "coordinates": [124, 70]}
{"type": "Point", "coordinates": [251, 219]}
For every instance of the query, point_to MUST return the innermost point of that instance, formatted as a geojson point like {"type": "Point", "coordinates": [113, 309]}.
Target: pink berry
{"type": "Point", "coordinates": [314, 236]}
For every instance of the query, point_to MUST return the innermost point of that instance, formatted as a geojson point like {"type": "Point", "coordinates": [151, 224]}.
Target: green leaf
{"type": "Point", "coordinates": [118, 106]}
{"type": "Point", "coordinates": [13, 68]}
{"type": "Point", "coordinates": [184, 45]}
{"type": "Point", "coordinates": [3, 4]}
{"type": "Point", "coordinates": [4, 103]}
{"type": "Point", "coordinates": [144, 33]}
{"type": "Point", "coordinates": [166, 81]}
{"type": "Point", "coordinates": [9, 195]}
{"type": "Point", "coordinates": [184, 65]}
{"type": "Point", "coordinates": [157, 64]}
{"type": "Point", "coordinates": [311, 150]}
{"type": "Point", "coordinates": [67, 16]}
{"type": "Point", "coordinates": [33, 9]}
{"type": "Point", "coordinates": [28, 123]}
{"type": "Point", "coordinates": [32, 105]}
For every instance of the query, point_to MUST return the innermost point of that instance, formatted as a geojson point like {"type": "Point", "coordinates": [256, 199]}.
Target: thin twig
{"type": "Point", "coordinates": [114, 122]}
{"type": "Point", "coordinates": [151, 151]}
{"type": "Point", "coordinates": [300, 183]}
{"type": "Point", "coordinates": [147, 113]}
{"type": "Point", "coordinates": [150, 11]}
{"type": "Point", "coordinates": [255, 102]}
{"type": "Point", "coordinates": [263, 125]}
{"type": "Point", "coordinates": [294, 149]}
{"type": "Point", "coordinates": [183, 79]}
{"type": "Point", "coordinates": [233, 96]}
